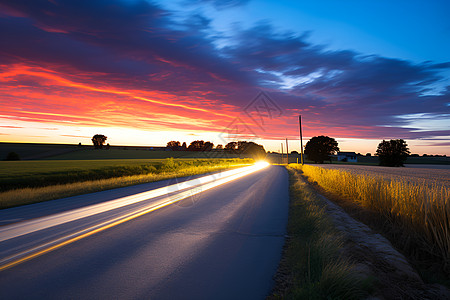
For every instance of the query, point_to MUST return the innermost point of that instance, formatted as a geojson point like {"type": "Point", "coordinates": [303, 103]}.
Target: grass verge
{"type": "Point", "coordinates": [414, 216]}
{"type": "Point", "coordinates": [21, 174]}
{"type": "Point", "coordinates": [170, 168]}
{"type": "Point", "coordinates": [312, 267]}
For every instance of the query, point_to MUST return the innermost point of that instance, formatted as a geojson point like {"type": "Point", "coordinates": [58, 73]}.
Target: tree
{"type": "Point", "coordinates": [196, 146]}
{"type": "Point", "coordinates": [207, 146]}
{"type": "Point", "coordinates": [251, 149]}
{"type": "Point", "coordinates": [98, 140]}
{"type": "Point", "coordinates": [231, 146]}
{"type": "Point", "coordinates": [319, 148]}
{"type": "Point", "coordinates": [174, 145]}
{"type": "Point", "coordinates": [12, 156]}
{"type": "Point", "coordinates": [392, 153]}
{"type": "Point", "coordinates": [219, 147]}
{"type": "Point", "coordinates": [183, 147]}
{"type": "Point", "coordinates": [248, 148]}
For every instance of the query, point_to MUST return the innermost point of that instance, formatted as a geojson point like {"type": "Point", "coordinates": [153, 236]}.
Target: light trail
{"type": "Point", "coordinates": [174, 193]}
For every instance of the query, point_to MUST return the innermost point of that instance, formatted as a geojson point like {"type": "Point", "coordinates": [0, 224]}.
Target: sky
{"type": "Point", "coordinates": [147, 72]}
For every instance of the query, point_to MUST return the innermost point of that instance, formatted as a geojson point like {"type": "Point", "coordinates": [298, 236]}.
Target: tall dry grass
{"type": "Point", "coordinates": [421, 210]}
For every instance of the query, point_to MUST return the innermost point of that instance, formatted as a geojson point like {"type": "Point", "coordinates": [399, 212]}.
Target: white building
{"type": "Point", "coordinates": [347, 156]}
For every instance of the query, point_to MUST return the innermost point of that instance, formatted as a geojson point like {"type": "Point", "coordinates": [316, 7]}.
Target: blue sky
{"type": "Point", "coordinates": [359, 71]}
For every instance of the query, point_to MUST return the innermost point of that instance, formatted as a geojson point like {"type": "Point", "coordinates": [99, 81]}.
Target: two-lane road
{"type": "Point", "coordinates": [222, 243]}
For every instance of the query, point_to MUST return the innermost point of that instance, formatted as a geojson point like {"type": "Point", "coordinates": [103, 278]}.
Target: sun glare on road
{"type": "Point", "coordinates": [262, 164]}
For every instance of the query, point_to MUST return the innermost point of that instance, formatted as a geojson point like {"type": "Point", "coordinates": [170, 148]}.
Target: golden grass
{"type": "Point", "coordinates": [420, 209]}
{"type": "Point", "coordinates": [312, 264]}
{"type": "Point", "coordinates": [24, 196]}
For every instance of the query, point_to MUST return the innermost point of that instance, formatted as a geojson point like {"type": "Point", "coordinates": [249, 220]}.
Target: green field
{"type": "Point", "coordinates": [87, 154]}
{"type": "Point", "coordinates": [25, 182]}
{"type": "Point", "coordinates": [29, 151]}
{"type": "Point", "coordinates": [38, 173]}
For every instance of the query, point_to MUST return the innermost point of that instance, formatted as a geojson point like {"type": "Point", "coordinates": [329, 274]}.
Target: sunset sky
{"type": "Point", "coordinates": [147, 72]}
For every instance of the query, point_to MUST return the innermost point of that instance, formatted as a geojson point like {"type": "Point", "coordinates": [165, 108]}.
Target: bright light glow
{"type": "Point", "coordinates": [262, 164]}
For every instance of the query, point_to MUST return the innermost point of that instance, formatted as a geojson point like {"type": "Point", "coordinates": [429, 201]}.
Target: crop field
{"type": "Point", "coordinates": [414, 201]}
{"type": "Point", "coordinates": [429, 174]}
{"type": "Point", "coordinates": [29, 151]}
{"type": "Point", "coordinates": [23, 182]}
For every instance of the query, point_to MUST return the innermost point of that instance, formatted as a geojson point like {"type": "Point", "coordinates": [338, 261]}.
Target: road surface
{"type": "Point", "coordinates": [221, 243]}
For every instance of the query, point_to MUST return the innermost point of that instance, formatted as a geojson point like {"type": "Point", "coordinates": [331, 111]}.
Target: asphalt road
{"type": "Point", "coordinates": [223, 243]}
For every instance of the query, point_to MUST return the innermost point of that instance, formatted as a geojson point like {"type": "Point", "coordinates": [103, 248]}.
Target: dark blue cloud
{"type": "Point", "coordinates": [220, 4]}
{"type": "Point", "coordinates": [134, 43]}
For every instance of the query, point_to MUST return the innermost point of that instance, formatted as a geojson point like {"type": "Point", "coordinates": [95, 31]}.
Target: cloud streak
{"type": "Point", "coordinates": [137, 65]}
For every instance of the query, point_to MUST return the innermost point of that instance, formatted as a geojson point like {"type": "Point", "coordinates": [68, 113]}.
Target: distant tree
{"type": "Point", "coordinates": [251, 149]}
{"type": "Point", "coordinates": [98, 140]}
{"type": "Point", "coordinates": [107, 146]}
{"type": "Point", "coordinates": [368, 154]}
{"type": "Point", "coordinates": [294, 152]}
{"type": "Point", "coordinates": [392, 153]}
{"type": "Point", "coordinates": [79, 144]}
{"type": "Point", "coordinates": [219, 147]}
{"type": "Point", "coordinates": [231, 147]}
{"type": "Point", "coordinates": [183, 147]}
{"type": "Point", "coordinates": [174, 145]}
{"type": "Point", "coordinates": [207, 146]}
{"type": "Point", "coordinates": [196, 146]}
{"type": "Point", "coordinates": [319, 148]}
{"type": "Point", "coordinates": [12, 156]}
{"type": "Point", "coordinates": [246, 148]}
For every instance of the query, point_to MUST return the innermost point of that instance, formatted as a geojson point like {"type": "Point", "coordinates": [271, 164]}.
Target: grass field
{"type": "Point", "coordinates": [418, 213]}
{"type": "Point", "coordinates": [422, 174]}
{"type": "Point", "coordinates": [25, 182]}
{"type": "Point", "coordinates": [28, 151]}
{"type": "Point", "coordinates": [312, 259]}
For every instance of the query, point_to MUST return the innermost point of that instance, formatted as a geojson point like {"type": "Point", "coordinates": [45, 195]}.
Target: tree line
{"type": "Point", "coordinates": [239, 147]}
{"type": "Point", "coordinates": [392, 153]}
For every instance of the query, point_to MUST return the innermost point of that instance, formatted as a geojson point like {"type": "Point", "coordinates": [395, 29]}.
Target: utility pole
{"type": "Point", "coordinates": [282, 153]}
{"type": "Point", "coordinates": [301, 138]}
{"type": "Point", "coordinates": [287, 152]}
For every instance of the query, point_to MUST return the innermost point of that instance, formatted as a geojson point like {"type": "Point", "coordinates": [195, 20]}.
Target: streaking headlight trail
{"type": "Point", "coordinates": [129, 207]}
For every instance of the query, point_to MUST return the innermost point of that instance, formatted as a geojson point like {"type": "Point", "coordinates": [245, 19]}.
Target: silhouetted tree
{"type": "Point", "coordinates": [174, 145]}
{"type": "Point", "coordinates": [231, 146]}
{"type": "Point", "coordinates": [368, 154]}
{"type": "Point", "coordinates": [251, 149]}
{"type": "Point", "coordinates": [219, 147]}
{"type": "Point", "coordinates": [207, 146]}
{"type": "Point", "coordinates": [183, 147]}
{"type": "Point", "coordinates": [319, 148]}
{"type": "Point", "coordinates": [196, 146]}
{"type": "Point", "coordinates": [247, 148]}
{"type": "Point", "coordinates": [12, 156]}
{"type": "Point", "coordinates": [98, 140]}
{"type": "Point", "coordinates": [392, 153]}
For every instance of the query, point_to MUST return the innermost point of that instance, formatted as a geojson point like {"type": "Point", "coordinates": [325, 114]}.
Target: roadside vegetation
{"type": "Point", "coordinates": [312, 267]}
{"type": "Point", "coordinates": [25, 182]}
{"type": "Point", "coordinates": [414, 215]}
